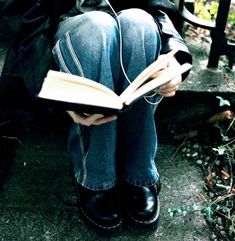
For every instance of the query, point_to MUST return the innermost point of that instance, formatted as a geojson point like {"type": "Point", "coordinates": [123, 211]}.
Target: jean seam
{"type": "Point", "coordinates": [73, 54]}
{"type": "Point", "coordinates": [84, 156]}
{"type": "Point", "coordinates": [60, 58]}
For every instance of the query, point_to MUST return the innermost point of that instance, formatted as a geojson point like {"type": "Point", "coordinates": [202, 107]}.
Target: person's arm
{"type": "Point", "coordinates": [171, 39]}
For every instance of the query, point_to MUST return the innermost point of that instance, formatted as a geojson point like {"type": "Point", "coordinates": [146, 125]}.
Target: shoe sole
{"type": "Point", "coordinates": [99, 229]}
{"type": "Point", "coordinates": [105, 231]}
{"type": "Point", "coordinates": [147, 224]}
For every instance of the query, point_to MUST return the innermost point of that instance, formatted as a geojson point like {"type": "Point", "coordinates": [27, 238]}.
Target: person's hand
{"type": "Point", "coordinates": [87, 120]}
{"type": "Point", "coordinates": [169, 89]}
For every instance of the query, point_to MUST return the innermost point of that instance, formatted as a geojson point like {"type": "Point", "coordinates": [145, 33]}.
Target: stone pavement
{"type": "Point", "coordinates": [37, 199]}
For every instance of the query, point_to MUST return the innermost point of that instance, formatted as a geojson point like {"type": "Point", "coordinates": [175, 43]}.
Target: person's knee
{"type": "Point", "coordinates": [102, 22]}
{"type": "Point", "coordinates": [138, 26]}
{"type": "Point", "coordinates": [95, 29]}
{"type": "Point", "coordinates": [136, 16]}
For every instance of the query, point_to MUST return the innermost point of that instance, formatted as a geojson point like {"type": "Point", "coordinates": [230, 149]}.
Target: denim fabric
{"type": "Point", "coordinates": [89, 45]}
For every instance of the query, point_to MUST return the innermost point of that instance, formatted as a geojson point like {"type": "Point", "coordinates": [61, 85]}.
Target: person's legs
{"type": "Point", "coordinates": [137, 137]}
{"type": "Point", "coordinates": [136, 128]}
{"type": "Point", "coordinates": [95, 54]}
{"type": "Point", "coordinates": [140, 180]}
{"type": "Point", "coordinates": [88, 46]}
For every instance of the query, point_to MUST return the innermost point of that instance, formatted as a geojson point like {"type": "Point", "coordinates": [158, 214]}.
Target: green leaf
{"type": "Point", "coordinates": [208, 212]}
{"type": "Point", "coordinates": [198, 7]}
{"type": "Point", "coordinates": [196, 207]}
{"type": "Point", "coordinates": [171, 214]}
{"type": "Point", "coordinates": [226, 210]}
{"type": "Point", "coordinates": [222, 101]}
{"type": "Point", "coordinates": [184, 213]}
{"type": "Point", "coordinates": [214, 8]}
{"type": "Point", "coordinates": [204, 14]}
{"type": "Point", "coordinates": [220, 150]}
{"type": "Point", "coordinates": [215, 206]}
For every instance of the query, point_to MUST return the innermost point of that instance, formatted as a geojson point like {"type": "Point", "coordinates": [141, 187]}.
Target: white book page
{"type": "Point", "coordinates": [82, 94]}
{"type": "Point", "coordinates": [76, 81]}
{"type": "Point", "coordinates": [165, 77]}
{"type": "Point", "coordinates": [146, 74]}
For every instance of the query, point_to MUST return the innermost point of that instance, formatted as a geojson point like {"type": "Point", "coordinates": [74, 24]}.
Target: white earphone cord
{"type": "Point", "coordinates": [120, 36]}
{"type": "Point", "coordinates": [121, 61]}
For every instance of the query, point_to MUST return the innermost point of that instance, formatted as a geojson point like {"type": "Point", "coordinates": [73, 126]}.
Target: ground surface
{"type": "Point", "coordinates": [31, 206]}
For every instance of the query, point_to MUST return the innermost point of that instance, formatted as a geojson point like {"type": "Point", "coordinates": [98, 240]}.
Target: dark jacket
{"type": "Point", "coordinates": [29, 57]}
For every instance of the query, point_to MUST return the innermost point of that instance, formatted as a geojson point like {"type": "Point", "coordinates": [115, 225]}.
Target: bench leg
{"type": "Point", "coordinates": [219, 44]}
{"type": "Point", "coordinates": [218, 47]}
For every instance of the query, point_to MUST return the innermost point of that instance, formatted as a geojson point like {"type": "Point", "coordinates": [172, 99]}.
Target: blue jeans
{"type": "Point", "coordinates": [88, 45]}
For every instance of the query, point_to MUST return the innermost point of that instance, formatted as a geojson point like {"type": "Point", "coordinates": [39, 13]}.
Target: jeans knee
{"type": "Point", "coordinates": [139, 28]}
{"type": "Point", "coordinates": [138, 23]}
{"type": "Point", "coordinates": [101, 22]}
{"type": "Point", "coordinates": [101, 30]}
{"type": "Point", "coordinates": [136, 16]}
{"type": "Point", "coordinates": [92, 30]}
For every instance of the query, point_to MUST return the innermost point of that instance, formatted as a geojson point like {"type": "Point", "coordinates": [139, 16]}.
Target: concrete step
{"type": "Point", "coordinates": [203, 79]}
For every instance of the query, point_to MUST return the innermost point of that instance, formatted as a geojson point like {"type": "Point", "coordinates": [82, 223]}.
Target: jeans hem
{"type": "Point", "coordinates": [142, 182]}
{"type": "Point", "coordinates": [92, 185]}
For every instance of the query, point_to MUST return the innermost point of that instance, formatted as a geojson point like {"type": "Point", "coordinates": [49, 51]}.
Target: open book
{"type": "Point", "coordinates": [72, 92]}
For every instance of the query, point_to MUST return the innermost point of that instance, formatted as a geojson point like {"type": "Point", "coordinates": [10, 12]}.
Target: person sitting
{"type": "Point", "coordinates": [109, 42]}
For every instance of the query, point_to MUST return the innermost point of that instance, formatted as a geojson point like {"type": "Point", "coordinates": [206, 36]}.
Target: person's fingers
{"type": "Point", "coordinates": [90, 119]}
{"type": "Point", "coordinates": [77, 118]}
{"type": "Point", "coordinates": [83, 119]}
{"type": "Point", "coordinates": [105, 120]}
{"type": "Point", "coordinates": [168, 90]}
{"type": "Point", "coordinates": [172, 84]}
{"type": "Point", "coordinates": [168, 94]}
{"type": "Point", "coordinates": [158, 73]}
{"type": "Point", "coordinates": [87, 121]}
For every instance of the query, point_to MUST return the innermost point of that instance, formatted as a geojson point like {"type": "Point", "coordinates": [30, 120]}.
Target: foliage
{"type": "Point", "coordinates": [220, 180]}
{"type": "Point", "coordinates": [207, 10]}
{"type": "Point", "coordinates": [217, 204]}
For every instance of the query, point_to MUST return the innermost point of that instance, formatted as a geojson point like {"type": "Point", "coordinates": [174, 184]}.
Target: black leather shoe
{"type": "Point", "coordinates": [101, 210]}
{"type": "Point", "coordinates": [142, 205]}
